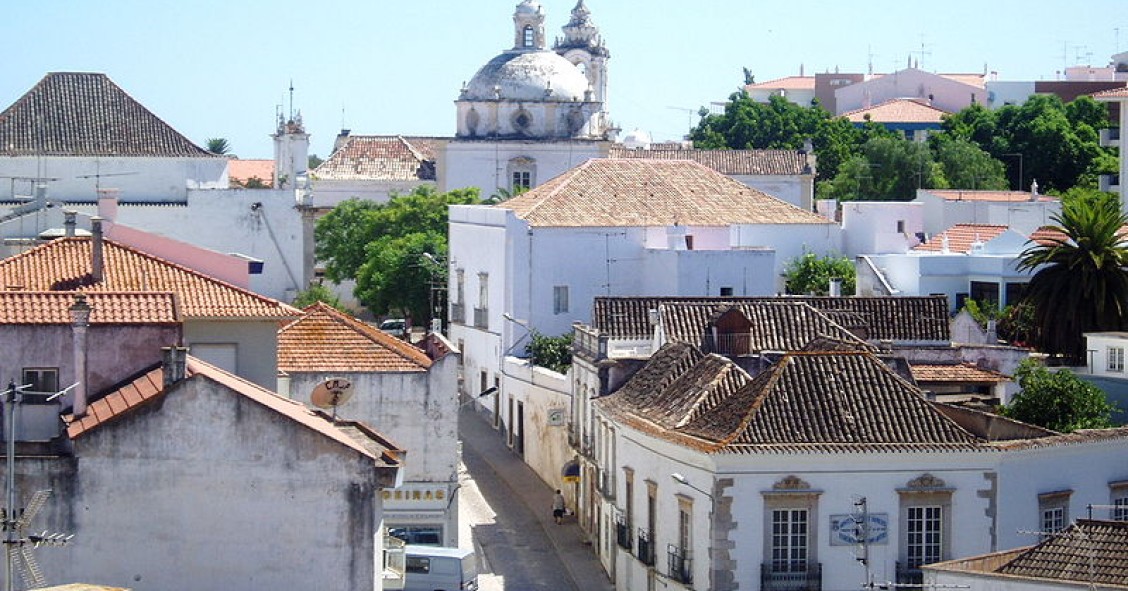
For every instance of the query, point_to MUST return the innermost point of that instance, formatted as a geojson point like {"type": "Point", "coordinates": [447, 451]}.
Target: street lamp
{"type": "Point", "coordinates": [437, 263]}
{"type": "Point", "coordinates": [678, 478]}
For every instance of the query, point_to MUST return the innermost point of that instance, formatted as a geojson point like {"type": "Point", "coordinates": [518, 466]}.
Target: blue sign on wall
{"type": "Point", "coordinates": [847, 530]}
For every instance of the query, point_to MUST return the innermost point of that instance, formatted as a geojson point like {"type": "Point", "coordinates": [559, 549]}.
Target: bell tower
{"type": "Point", "coordinates": [528, 25]}
{"type": "Point", "coordinates": [583, 46]}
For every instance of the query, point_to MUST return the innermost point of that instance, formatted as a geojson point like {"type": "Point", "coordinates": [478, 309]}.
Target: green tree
{"type": "Point", "coordinates": [318, 293]}
{"type": "Point", "coordinates": [776, 124]}
{"type": "Point", "coordinates": [313, 161]}
{"type": "Point", "coordinates": [888, 169]}
{"type": "Point", "coordinates": [554, 353]}
{"type": "Point", "coordinates": [810, 273]}
{"type": "Point", "coordinates": [1080, 284]}
{"type": "Point", "coordinates": [381, 246]}
{"type": "Point", "coordinates": [1059, 401]}
{"type": "Point", "coordinates": [218, 145]}
{"type": "Point", "coordinates": [967, 166]}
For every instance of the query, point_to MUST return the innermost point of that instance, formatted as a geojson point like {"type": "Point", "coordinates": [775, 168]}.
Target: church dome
{"type": "Point", "coordinates": [527, 76]}
{"type": "Point", "coordinates": [529, 7]}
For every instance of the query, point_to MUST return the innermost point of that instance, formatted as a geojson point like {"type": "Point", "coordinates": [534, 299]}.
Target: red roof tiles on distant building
{"type": "Point", "coordinates": [961, 237]}
{"type": "Point", "coordinates": [785, 83]}
{"type": "Point", "coordinates": [53, 307]}
{"type": "Point", "coordinates": [241, 171]}
{"type": "Point", "coordinates": [376, 157]}
{"type": "Point", "coordinates": [325, 339]}
{"type": "Point", "coordinates": [729, 162]}
{"type": "Point", "coordinates": [997, 196]}
{"type": "Point", "coordinates": [64, 265]}
{"type": "Point", "coordinates": [897, 111]}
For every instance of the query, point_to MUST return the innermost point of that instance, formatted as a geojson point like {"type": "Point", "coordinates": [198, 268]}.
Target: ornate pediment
{"type": "Point", "coordinates": [926, 482]}
{"type": "Point", "coordinates": [791, 482]}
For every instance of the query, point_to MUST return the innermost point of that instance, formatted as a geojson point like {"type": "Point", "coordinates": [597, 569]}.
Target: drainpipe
{"type": "Point", "coordinates": [80, 313]}
{"type": "Point", "coordinates": [97, 262]}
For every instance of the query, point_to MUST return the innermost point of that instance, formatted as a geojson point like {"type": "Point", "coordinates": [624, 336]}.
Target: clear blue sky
{"type": "Point", "coordinates": [219, 68]}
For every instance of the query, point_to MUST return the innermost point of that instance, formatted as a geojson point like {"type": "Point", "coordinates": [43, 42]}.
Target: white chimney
{"type": "Point", "coordinates": [80, 314]}
{"type": "Point", "coordinates": [835, 287]}
{"type": "Point", "coordinates": [97, 262]}
{"type": "Point", "coordinates": [69, 223]}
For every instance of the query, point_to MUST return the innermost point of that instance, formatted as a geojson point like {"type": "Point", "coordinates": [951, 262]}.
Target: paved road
{"type": "Point", "coordinates": [505, 516]}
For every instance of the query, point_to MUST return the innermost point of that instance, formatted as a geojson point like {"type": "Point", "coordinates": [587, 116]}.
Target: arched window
{"type": "Point", "coordinates": [530, 36]}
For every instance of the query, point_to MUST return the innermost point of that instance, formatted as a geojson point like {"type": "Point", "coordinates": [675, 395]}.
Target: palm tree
{"type": "Point", "coordinates": [218, 145]}
{"type": "Point", "coordinates": [1081, 284]}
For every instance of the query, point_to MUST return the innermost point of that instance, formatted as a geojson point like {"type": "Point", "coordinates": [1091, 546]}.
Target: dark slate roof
{"type": "Point", "coordinates": [808, 402]}
{"type": "Point", "coordinates": [774, 326]}
{"type": "Point", "coordinates": [86, 114]}
{"type": "Point", "coordinates": [896, 318]}
{"type": "Point", "coordinates": [1088, 551]}
{"type": "Point", "coordinates": [729, 162]}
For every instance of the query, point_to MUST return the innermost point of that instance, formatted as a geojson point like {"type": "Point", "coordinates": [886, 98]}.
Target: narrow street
{"type": "Point", "coordinates": [505, 516]}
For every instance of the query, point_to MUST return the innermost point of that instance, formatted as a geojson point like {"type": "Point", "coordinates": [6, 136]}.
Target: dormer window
{"type": "Point", "coordinates": [530, 37]}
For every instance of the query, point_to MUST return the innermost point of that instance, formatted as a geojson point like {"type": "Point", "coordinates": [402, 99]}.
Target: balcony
{"type": "Point", "coordinates": [481, 317]}
{"type": "Point", "coordinates": [622, 533]}
{"type": "Point", "coordinates": [1109, 182]}
{"type": "Point", "coordinates": [458, 313]}
{"type": "Point", "coordinates": [802, 576]}
{"type": "Point", "coordinates": [1110, 137]}
{"type": "Point", "coordinates": [680, 568]}
{"type": "Point", "coordinates": [910, 576]}
{"type": "Point", "coordinates": [645, 552]}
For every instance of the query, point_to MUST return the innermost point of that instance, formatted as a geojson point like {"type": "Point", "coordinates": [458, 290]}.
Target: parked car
{"type": "Point", "coordinates": [437, 568]}
{"type": "Point", "coordinates": [397, 327]}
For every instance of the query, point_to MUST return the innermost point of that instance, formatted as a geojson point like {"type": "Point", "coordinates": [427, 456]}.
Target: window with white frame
{"type": "Point", "coordinates": [925, 528]}
{"type": "Point", "coordinates": [560, 299]}
{"type": "Point", "coordinates": [1116, 359]}
{"type": "Point", "coordinates": [1118, 498]}
{"type": "Point", "coordinates": [925, 523]}
{"type": "Point", "coordinates": [522, 169]}
{"type": "Point", "coordinates": [530, 36]}
{"type": "Point", "coordinates": [1053, 511]}
{"type": "Point", "coordinates": [790, 540]}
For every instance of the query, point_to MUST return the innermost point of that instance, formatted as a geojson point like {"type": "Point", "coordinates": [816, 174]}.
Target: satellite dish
{"type": "Point", "coordinates": [331, 393]}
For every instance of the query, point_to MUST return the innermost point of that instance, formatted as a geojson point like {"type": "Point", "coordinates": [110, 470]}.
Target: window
{"type": "Point", "coordinates": [925, 523]}
{"type": "Point", "coordinates": [726, 292]}
{"type": "Point", "coordinates": [41, 379]}
{"type": "Point", "coordinates": [1053, 511]}
{"type": "Point", "coordinates": [685, 523]}
{"type": "Point", "coordinates": [417, 564]}
{"type": "Point", "coordinates": [522, 179]}
{"type": "Point", "coordinates": [560, 299]}
{"type": "Point", "coordinates": [1120, 509]}
{"type": "Point", "coordinates": [983, 292]}
{"type": "Point", "coordinates": [1116, 359]}
{"type": "Point", "coordinates": [1014, 293]}
{"type": "Point", "coordinates": [459, 286]}
{"type": "Point", "coordinates": [483, 290]}
{"type": "Point", "coordinates": [789, 540]}
{"type": "Point", "coordinates": [521, 170]}
{"type": "Point", "coordinates": [925, 529]}
{"type": "Point", "coordinates": [900, 226]}
{"type": "Point", "coordinates": [530, 36]}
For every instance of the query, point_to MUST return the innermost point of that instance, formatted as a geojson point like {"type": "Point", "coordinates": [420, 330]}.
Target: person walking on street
{"type": "Point", "coordinates": [558, 507]}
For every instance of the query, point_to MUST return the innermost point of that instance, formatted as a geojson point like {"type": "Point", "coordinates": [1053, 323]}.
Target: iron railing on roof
{"type": "Point", "coordinates": [793, 576]}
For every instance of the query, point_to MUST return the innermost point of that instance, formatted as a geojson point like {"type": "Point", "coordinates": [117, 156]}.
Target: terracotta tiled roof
{"type": "Point", "coordinates": [1051, 235]}
{"type": "Point", "coordinates": [1111, 94]}
{"type": "Point", "coordinates": [53, 307]}
{"type": "Point", "coordinates": [823, 402]}
{"type": "Point", "coordinates": [772, 326]}
{"type": "Point", "coordinates": [961, 237]}
{"type": "Point", "coordinates": [86, 114]}
{"type": "Point", "coordinates": [241, 171]}
{"type": "Point", "coordinates": [898, 111]}
{"type": "Point", "coordinates": [729, 162]}
{"type": "Point", "coordinates": [972, 79]}
{"type": "Point", "coordinates": [378, 157]}
{"type": "Point", "coordinates": [955, 372]}
{"type": "Point", "coordinates": [897, 318]}
{"type": "Point", "coordinates": [149, 387]}
{"type": "Point", "coordinates": [627, 192]}
{"type": "Point", "coordinates": [998, 196]}
{"type": "Point", "coordinates": [1087, 552]}
{"type": "Point", "coordinates": [324, 339]}
{"type": "Point", "coordinates": [65, 264]}
{"type": "Point", "coordinates": [787, 83]}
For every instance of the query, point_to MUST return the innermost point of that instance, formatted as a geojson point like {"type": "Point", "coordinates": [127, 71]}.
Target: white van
{"type": "Point", "coordinates": [437, 568]}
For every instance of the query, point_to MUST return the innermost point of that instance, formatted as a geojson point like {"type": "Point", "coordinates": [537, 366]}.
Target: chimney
{"type": "Point", "coordinates": [174, 364]}
{"type": "Point", "coordinates": [97, 263]}
{"type": "Point", "coordinates": [835, 287]}
{"type": "Point", "coordinates": [80, 315]}
{"type": "Point", "coordinates": [108, 204]}
{"type": "Point", "coordinates": [69, 223]}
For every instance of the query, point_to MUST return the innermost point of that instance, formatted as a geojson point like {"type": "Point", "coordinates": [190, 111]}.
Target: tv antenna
{"type": "Point", "coordinates": [17, 544]}
{"type": "Point", "coordinates": [332, 393]}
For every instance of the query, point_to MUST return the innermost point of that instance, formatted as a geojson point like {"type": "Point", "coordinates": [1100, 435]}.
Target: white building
{"type": "Point", "coordinates": [768, 474]}
{"type": "Point", "coordinates": [1023, 211]}
{"type": "Point", "coordinates": [612, 227]}
{"type": "Point", "coordinates": [1115, 183]}
{"type": "Point", "coordinates": [531, 113]}
{"type": "Point", "coordinates": [411, 394]}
